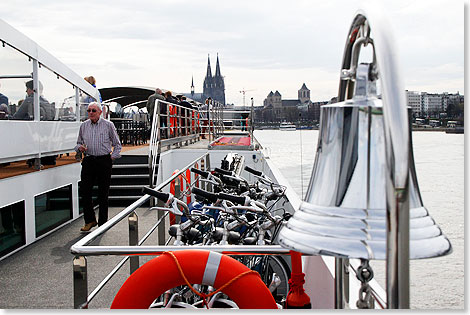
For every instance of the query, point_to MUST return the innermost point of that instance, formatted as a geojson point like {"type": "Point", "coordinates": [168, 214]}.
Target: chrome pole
{"type": "Point", "coordinates": [133, 239]}
{"type": "Point", "coordinates": [396, 128]}
{"type": "Point", "coordinates": [161, 227]}
{"type": "Point", "coordinates": [80, 282]}
{"type": "Point", "coordinates": [154, 250]}
{"type": "Point", "coordinates": [77, 104]}
{"type": "Point", "coordinates": [339, 283]}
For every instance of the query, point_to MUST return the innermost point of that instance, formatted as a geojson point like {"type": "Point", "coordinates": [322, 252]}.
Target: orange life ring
{"type": "Point", "coordinates": [198, 266]}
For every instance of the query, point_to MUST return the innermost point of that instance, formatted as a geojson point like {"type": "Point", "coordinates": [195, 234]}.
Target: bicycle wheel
{"type": "Point", "coordinates": [183, 297]}
{"type": "Point", "coordinates": [268, 267]}
{"type": "Point", "coordinates": [276, 265]}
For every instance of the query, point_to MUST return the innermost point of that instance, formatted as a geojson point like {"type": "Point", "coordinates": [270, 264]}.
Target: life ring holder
{"type": "Point", "coordinates": [180, 179]}
{"type": "Point", "coordinates": [173, 269]}
{"type": "Point", "coordinates": [173, 120]}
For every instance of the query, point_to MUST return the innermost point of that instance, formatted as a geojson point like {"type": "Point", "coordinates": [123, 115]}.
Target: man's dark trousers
{"type": "Point", "coordinates": [96, 170]}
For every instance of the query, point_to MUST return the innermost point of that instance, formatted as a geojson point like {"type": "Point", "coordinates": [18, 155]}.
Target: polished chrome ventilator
{"type": "Point", "coordinates": [363, 199]}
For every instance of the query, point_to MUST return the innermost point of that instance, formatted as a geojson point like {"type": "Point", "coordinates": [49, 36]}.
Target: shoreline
{"type": "Point", "coordinates": [414, 129]}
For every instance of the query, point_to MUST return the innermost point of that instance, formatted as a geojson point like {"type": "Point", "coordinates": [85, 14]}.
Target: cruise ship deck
{"type": "Point", "coordinates": [40, 275]}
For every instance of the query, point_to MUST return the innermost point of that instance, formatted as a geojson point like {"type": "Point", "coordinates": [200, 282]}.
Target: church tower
{"type": "Point", "coordinates": [207, 88]}
{"type": "Point", "coordinates": [192, 87]}
{"type": "Point", "coordinates": [214, 86]}
{"type": "Point", "coordinates": [219, 86]}
{"type": "Point", "coordinates": [304, 94]}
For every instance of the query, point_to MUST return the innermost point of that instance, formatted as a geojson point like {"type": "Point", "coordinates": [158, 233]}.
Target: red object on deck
{"type": "Point", "coordinates": [297, 298]}
{"type": "Point", "coordinates": [186, 267]}
{"type": "Point", "coordinates": [173, 191]}
{"type": "Point", "coordinates": [241, 141]}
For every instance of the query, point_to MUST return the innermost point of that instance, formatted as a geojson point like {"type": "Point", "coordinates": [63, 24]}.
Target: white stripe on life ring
{"type": "Point", "coordinates": [212, 265]}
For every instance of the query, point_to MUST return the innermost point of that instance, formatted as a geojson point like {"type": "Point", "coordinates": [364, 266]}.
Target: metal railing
{"type": "Point", "coordinates": [135, 249]}
{"type": "Point", "coordinates": [174, 125]}
{"type": "Point", "coordinates": [240, 121]}
{"type": "Point", "coordinates": [211, 120]}
{"type": "Point", "coordinates": [241, 125]}
{"type": "Point", "coordinates": [82, 249]}
{"type": "Point", "coordinates": [175, 120]}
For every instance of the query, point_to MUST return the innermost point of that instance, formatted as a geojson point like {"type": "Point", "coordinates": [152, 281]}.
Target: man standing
{"type": "Point", "coordinates": [151, 102]}
{"type": "Point", "coordinates": [95, 139]}
{"type": "Point", "coordinates": [151, 105]}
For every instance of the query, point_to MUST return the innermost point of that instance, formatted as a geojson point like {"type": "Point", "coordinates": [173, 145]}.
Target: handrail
{"type": "Point", "coordinates": [191, 127]}
{"type": "Point", "coordinates": [121, 263]}
{"type": "Point", "coordinates": [41, 129]}
{"type": "Point", "coordinates": [243, 125]}
{"type": "Point", "coordinates": [81, 248]}
{"type": "Point", "coordinates": [155, 144]}
{"type": "Point", "coordinates": [159, 249]}
{"type": "Point", "coordinates": [211, 118]}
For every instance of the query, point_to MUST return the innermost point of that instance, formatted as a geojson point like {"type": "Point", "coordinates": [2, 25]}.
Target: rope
{"type": "Point", "coordinates": [203, 295]}
{"type": "Point", "coordinates": [296, 282]}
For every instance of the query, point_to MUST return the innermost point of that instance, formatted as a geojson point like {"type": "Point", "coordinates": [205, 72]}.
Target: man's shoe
{"type": "Point", "coordinates": [88, 226]}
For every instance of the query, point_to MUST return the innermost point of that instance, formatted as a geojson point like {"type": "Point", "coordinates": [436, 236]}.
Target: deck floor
{"type": "Point", "coordinates": [40, 275]}
{"type": "Point", "coordinates": [21, 167]}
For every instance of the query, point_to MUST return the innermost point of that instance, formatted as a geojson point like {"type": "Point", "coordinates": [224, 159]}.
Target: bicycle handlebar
{"type": "Point", "coordinates": [253, 171]}
{"type": "Point", "coordinates": [223, 172]}
{"type": "Point", "coordinates": [202, 173]}
{"type": "Point", "coordinates": [208, 195]}
{"type": "Point", "coordinates": [230, 180]}
{"type": "Point", "coordinates": [155, 193]}
{"type": "Point", "coordinates": [235, 199]}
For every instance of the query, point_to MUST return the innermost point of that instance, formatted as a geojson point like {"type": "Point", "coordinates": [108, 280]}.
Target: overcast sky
{"type": "Point", "coordinates": [263, 46]}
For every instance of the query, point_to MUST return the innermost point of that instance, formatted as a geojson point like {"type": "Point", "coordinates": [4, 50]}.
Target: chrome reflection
{"type": "Point", "coordinates": [356, 248]}
{"type": "Point", "coordinates": [344, 213]}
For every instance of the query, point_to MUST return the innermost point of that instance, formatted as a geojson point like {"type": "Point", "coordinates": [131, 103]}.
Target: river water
{"type": "Point", "coordinates": [435, 283]}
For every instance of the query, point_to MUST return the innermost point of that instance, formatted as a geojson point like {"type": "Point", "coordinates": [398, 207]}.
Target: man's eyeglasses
{"type": "Point", "coordinates": [91, 110]}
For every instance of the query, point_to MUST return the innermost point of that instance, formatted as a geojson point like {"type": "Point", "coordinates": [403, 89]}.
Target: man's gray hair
{"type": "Point", "coordinates": [94, 104]}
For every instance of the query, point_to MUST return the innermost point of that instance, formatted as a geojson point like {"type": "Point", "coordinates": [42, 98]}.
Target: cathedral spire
{"type": "Point", "coordinates": [209, 72]}
{"type": "Point", "coordinates": [192, 85]}
{"type": "Point", "coordinates": [217, 67]}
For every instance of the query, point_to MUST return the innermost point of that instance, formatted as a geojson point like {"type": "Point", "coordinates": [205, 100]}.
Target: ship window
{"type": "Point", "coordinates": [15, 70]}
{"type": "Point", "coordinates": [57, 97]}
{"type": "Point", "coordinates": [84, 100]}
{"type": "Point", "coordinates": [18, 105]}
{"type": "Point", "coordinates": [12, 227]}
{"type": "Point", "coordinates": [14, 62]}
{"type": "Point", "coordinates": [52, 209]}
